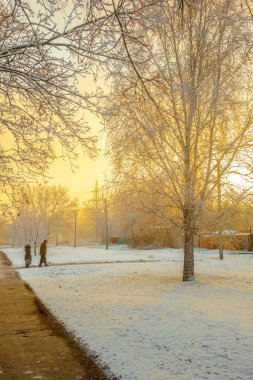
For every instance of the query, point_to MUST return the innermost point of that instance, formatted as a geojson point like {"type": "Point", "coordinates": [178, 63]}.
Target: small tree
{"type": "Point", "coordinates": [39, 209]}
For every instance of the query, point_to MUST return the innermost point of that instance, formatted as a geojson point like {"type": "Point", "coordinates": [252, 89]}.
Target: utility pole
{"type": "Point", "coordinates": [56, 233]}
{"type": "Point", "coordinates": [219, 209]}
{"type": "Point", "coordinates": [75, 230]}
{"type": "Point", "coordinates": [106, 225]}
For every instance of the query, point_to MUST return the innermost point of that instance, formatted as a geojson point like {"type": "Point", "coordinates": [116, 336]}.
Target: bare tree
{"type": "Point", "coordinates": [45, 50]}
{"type": "Point", "coordinates": [38, 210]}
{"type": "Point", "coordinates": [183, 91]}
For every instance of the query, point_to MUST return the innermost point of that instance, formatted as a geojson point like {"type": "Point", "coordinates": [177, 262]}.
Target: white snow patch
{"type": "Point", "coordinates": [142, 321]}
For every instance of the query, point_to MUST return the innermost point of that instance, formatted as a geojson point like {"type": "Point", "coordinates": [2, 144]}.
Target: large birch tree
{"type": "Point", "coordinates": [182, 104]}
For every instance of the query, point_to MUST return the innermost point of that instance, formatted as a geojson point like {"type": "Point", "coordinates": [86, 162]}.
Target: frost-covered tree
{"type": "Point", "coordinates": [38, 210]}
{"type": "Point", "coordinates": [45, 48]}
{"type": "Point", "coordinates": [182, 102]}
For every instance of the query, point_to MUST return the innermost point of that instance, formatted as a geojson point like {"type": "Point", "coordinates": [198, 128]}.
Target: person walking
{"type": "Point", "coordinates": [43, 252]}
{"type": "Point", "coordinates": [28, 256]}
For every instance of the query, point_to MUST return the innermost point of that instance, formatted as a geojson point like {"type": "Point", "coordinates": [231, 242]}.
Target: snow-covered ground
{"type": "Point", "coordinates": [131, 308]}
{"type": "Point", "coordinates": [90, 254]}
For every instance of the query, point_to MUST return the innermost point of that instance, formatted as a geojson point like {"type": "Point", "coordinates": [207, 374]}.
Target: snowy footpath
{"type": "Point", "coordinates": [131, 309]}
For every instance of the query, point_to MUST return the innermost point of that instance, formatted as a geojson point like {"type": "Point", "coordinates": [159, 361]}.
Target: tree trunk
{"type": "Point", "coordinates": [75, 231]}
{"type": "Point", "coordinates": [106, 225]}
{"type": "Point", "coordinates": [34, 248]}
{"type": "Point", "coordinates": [56, 235]}
{"type": "Point", "coordinates": [219, 209]}
{"type": "Point", "coordinates": [188, 273]}
{"type": "Point", "coordinates": [220, 245]}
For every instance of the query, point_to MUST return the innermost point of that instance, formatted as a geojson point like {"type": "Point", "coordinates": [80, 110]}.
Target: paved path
{"type": "Point", "coordinates": [99, 263]}
{"type": "Point", "coordinates": [32, 346]}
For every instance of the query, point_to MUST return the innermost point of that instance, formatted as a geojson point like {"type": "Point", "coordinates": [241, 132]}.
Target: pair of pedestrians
{"type": "Point", "coordinates": [43, 253]}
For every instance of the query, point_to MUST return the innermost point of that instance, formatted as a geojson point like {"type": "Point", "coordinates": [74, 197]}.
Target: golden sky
{"type": "Point", "coordinates": [82, 181]}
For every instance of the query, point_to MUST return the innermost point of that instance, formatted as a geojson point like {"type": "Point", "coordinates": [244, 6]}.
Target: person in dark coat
{"type": "Point", "coordinates": [43, 252]}
{"type": "Point", "coordinates": [28, 256]}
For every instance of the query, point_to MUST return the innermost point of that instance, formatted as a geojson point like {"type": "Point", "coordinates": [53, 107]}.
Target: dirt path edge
{"type": "Point", "coordinates": [81, 353]}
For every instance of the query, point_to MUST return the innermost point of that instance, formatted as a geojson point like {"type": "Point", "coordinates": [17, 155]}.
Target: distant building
{"type": "Point", "coordinates": [231, 241]}
{"type": "Point", "coordinates": [117, 240]}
